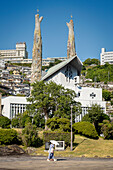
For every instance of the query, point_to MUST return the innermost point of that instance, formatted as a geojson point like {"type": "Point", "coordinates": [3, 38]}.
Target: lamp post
{"type": "Point", "coordinates": [71, 130]}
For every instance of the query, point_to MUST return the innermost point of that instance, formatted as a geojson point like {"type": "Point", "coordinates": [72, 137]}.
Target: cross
{"type": "Point", "coordinates": [92, 95]}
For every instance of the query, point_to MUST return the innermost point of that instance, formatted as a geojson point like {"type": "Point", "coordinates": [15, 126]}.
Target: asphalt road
{"type": "Point", "coordinates": [41, 163]}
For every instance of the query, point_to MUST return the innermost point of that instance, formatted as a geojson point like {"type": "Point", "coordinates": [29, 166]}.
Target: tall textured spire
{"type": "Point", "coordinates": [71, 40]}
{"type": "Point", "coordinates": [37, 51]}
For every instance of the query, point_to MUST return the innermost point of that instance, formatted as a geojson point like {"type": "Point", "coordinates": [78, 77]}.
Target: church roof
{"type": "Point", "coordinates": [75, 61]}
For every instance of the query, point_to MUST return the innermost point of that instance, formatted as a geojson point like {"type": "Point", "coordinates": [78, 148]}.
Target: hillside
{"type": "Point", "coordinates": [99, 73]}
{"type": "Point", "coordinates": [83, 146]}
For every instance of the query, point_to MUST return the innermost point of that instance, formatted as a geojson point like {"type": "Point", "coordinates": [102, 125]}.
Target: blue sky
{"type": "Point", "coordinates": [93, 25]}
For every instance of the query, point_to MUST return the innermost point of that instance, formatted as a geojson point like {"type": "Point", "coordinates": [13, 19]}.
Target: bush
{"type": "Point", "coordinates": [15, 122]}
{"type": "Point", "coordinates": [86, 129]}
{"type": "Point", "coordinates": [58, 136]}
{"type": "Point", "coordinates": [30, 136]}
{"type": "Point", "coordinates": [8, 136]}
{"type": "Point", "coordinates": [5, 122]}
{"type": "Point", "coordinates": [107, 129]}
{"type": "Point", "coordinates": [21, 120]}
{"type": "Point", "coordinates": [59, 123]}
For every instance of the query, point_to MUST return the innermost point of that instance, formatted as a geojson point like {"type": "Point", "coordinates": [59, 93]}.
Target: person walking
{"type": "Point", "coordinates": [51, 153]}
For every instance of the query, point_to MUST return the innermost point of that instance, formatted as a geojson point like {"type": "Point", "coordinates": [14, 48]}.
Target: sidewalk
{"type": "Point", "coordinates": [40, 163]}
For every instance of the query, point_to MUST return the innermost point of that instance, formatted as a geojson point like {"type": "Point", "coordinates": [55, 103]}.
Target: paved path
{"type": "Point", "coordinates": [40, 163]}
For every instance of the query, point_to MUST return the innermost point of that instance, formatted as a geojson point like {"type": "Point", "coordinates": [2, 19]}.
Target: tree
{"type": "Point", "coordinates": [21, 119]}
{"type": "Point", "coordinates": [56, 123]}
{"type": "Point", "coordinates": [38, 120]}
{"type": "Point", "coordinates": [106, 95]}
{"type": "Point", "coordinates": [90, 61]}
{"type": "Point", "coordinates": [30, 136]}
{"type": "Point", "coordinates": [95, 115]}
{"type": "Point", "coordinates": [50, 99]}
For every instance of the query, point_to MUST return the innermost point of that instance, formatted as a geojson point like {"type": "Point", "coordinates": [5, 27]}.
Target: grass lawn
{"type": "Point", "coordinates": [83, 146]}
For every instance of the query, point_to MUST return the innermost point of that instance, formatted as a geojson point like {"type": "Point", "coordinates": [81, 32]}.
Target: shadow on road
{"type": "Point", "coordinates": [61, 159]}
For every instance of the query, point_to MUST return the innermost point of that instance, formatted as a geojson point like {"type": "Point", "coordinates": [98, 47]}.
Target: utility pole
{"type": "Point", "coordinates": [71, 130]}
{"type": "Point", "coordinates": [0, 104]}
{"type": "Point", "coordinates": [108, 76]}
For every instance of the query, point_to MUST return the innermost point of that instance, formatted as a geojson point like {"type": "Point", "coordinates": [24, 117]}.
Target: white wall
{"type": "Point", "coordinates": [6, 101]}
{"type": "Point", "coordinates": [87, 100]}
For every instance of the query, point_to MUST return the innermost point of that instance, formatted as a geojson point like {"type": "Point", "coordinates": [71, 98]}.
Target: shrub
{"type": "Point", "coordinates": [59, 123]}
{"type": "Point", "coordinates": [21, 120]}
{"type": "Point", "coordinates": [86, 129]}
{"type": "Point", "coordinates": [5, 122]}
{"type": "Point", "coordinates": [58, 136]}
{"type": "Point", "coordinates": [30, 136]}
{"type": "Point", "coordinates": [107, 129]}
{"type": "Point", "coordinates": [8, 136]}
{"type": "Point", "coordinates": [15, 122]}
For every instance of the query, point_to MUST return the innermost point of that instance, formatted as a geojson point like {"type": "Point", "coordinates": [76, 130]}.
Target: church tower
{"type": "Point", "coordinates": [36, 68]}
{"type": "Point", "coordinates": [71, 40]}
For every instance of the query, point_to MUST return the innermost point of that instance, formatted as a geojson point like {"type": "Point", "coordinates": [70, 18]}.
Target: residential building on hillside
{"type": "Point", "coordinates": [106, 57]}
{"type": "Point", "coordinates": [47, 61]}
{"type": "Point", "coordinates": [13, 55]}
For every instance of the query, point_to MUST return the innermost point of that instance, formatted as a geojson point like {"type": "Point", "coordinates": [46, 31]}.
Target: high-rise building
{"type": "Point", "coordinates": [13, 55]}
{"type": "Point", "coordinates": [71, 40]}
{"type": "Point", "coordinates": [106, 57]}
{"type": "Point", "coordinates": [37, 51]}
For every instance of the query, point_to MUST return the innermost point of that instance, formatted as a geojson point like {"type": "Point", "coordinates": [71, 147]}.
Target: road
{"type": "Point", "coordinates": [40, 163]}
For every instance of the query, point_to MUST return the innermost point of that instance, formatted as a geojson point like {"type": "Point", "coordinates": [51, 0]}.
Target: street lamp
{"type": "Point", "coordinates": [71, 130]}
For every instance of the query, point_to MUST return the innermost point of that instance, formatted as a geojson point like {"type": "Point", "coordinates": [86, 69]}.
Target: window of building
{"type": "Point", "coordinates": [16, 108]}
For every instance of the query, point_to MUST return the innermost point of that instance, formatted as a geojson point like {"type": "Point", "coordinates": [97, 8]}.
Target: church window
{"type": "Point", "coordinates": [68, 73]}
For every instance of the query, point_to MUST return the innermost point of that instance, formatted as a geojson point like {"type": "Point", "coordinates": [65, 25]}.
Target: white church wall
{"type": "Point", "coordinates": [89, 93]}
{"type": "Point", "coordinates": [60, 77]}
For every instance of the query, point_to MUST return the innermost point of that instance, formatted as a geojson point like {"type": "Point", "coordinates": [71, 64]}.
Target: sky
{"type": "Point", "coordinates": [93, 25]}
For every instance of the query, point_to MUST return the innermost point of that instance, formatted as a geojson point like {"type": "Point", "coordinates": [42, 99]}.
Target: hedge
{"type": "Point", "coordinates": [86, 129]}
{"type": "Point", "coordinates": [5, 122]}
{"type": "Point", "coordinates": [58, 136]}
{"type": "Point", "coordinates": [8, 136]}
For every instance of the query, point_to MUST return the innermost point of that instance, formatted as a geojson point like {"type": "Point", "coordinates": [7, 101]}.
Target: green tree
{"type": "Point", "coordinates": [90, 61]}
{"type": "Point", "coordinates": [39, 120]}
{"type": "Point", "coordinates": [30, 136]}
{"type": "Point", "coordinates": [106, 95]}
{"type": "Point", "coordinates": [56, 123]}
{"type": "Point", "coordinates": [95, 115]}
{"type": "Point", "coordinates": [21, 119]}
{"type": "Point", "coordinates": [50, 99]}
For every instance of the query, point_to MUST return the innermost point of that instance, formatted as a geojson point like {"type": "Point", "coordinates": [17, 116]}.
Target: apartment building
{"type": "Point", "coordinates": [13, 55]}
{"type": "Point", "coordinates": [106, 57]}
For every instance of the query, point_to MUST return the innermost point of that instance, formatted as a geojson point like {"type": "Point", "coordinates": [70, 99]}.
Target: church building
{"type": "Point", "coordinates": [67, 73]}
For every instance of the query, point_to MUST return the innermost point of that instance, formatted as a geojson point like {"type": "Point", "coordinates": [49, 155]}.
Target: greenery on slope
{"type": "Point", "coordinates": [99, 73]}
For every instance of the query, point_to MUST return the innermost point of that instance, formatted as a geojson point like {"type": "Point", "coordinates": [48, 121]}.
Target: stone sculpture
{"type": "Point", "coordinates": [37, 51]}
{"type": "Point", "coordinates": [71, 40]}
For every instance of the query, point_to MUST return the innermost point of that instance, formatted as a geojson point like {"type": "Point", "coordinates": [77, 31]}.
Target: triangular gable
{"type": "Point", "coordinates": [75, 61]}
